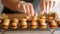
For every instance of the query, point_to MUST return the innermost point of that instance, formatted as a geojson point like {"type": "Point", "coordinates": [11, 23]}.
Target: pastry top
{"type": "Point", "coordinates": [15, 20]}
{"type": "Point", "coordinates": [6, 24]}
{"type": "Point", "coordinates": [53, 23]}
{"type": "Point", "coordinates": [6, 21]}
{"type": "Point", "coordinates": [54, 15]}
{"type": "Point", "coordinates": [33, 18]}
{"type": "Point", "coordinates": [33, 23]}
{"type": "Point", "coordinates": [23, 23]}
{"type": "Point", "coordinates": [50, 18]}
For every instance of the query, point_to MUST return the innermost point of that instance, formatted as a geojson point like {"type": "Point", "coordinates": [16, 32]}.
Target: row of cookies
{"type": "Point", "coordinates": [6, 23]}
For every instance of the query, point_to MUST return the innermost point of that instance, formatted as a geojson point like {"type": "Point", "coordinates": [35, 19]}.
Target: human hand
{"type": "Point", "coordinates": [27, 8]}
{"type": "Point", "coordinates": [46, 6]}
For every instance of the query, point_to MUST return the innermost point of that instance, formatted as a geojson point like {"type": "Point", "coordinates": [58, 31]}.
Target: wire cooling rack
{"type": "Point", "coordinates": [29, 29]}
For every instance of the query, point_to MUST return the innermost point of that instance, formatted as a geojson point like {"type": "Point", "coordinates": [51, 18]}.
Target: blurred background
{"type": "Point", "coordinates": [1, 7]}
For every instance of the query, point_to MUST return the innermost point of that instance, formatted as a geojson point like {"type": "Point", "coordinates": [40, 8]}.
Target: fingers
{"type": "Point", "coordinates": [46, 6]}
{"type": "Point", "coordinates": [23, 8]}
{"type": "Point", "coordinates": [49, 4]}
{"type": "Point", "coordinates": [53, 3]}
{"type": "Point", "coordinates": [42, 7]}
{"type": "Point", "coordinates": [28, 10]}
{"type": "Point", "coordinates": [35, 13]}
{"type": "Point", "coordinates": [31, 9]}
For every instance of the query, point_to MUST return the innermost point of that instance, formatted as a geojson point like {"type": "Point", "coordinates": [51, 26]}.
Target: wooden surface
{"type": "Point", "coordinates": [12, 16]}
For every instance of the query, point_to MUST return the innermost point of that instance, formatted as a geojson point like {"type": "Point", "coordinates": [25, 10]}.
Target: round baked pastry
{"type": "Point", "coordinates": [33, 25]}
{"type": "Point", "coordinates": [5, 23]}
{"type": "Point", "coordinates": [54, 15]}
{"type": "Point", "coordinates": [43, 25]}
{"type": "Point", "coordinates": [14, 23]}
{"type": "Point", "coordinates": [23, 25]}
{"type": "Point", "coordinates": [53, 24]}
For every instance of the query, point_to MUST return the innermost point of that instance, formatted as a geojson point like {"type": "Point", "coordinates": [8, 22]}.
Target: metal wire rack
{"type": "Point", "coordinates": [29, 29]}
